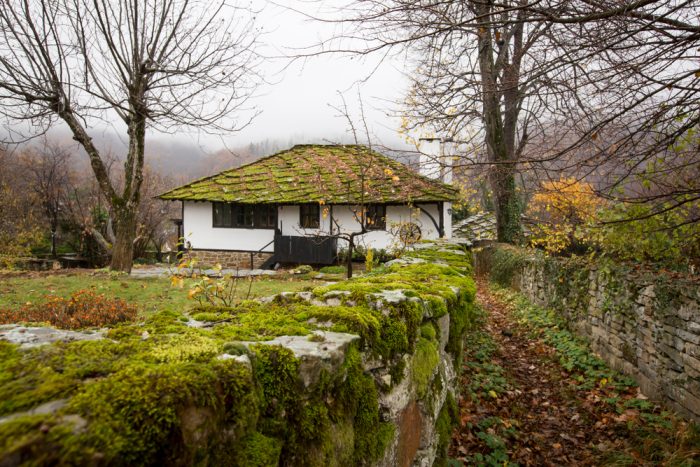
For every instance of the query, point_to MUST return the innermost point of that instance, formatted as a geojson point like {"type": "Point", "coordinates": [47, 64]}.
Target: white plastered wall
{"type": "Point", "coordinates": [200, 233]}
{"type": "Point", "coordinates": [346, 220]}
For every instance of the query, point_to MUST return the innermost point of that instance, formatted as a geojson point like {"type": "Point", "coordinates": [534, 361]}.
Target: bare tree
{"type": "Point", "coordinates": [644, 76]}
{"type": "Point", "coordinates": [149, 64]}
{"type": "Point", "coordinates": [20, 213]}
{"type": "Point", "coordinates": [355, 192]}
{"type": "Point", "coordinates": [480, 77]}
{"type": "Point", "coordinates": [604, 89]}
{"type": "Point", "coordinates": [48, 173]}
{"type": "Point", "coordinates": [155, 220]}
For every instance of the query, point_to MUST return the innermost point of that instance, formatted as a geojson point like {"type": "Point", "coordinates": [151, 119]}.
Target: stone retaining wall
{"type": "Point", "coordinates": [360, 372]}
{"type": "Point", "coordinates": [645, 324]}
{"type": "Point", "coordinates": [229, 259]}
{"type": "Point", "coordinates": [412, 407]}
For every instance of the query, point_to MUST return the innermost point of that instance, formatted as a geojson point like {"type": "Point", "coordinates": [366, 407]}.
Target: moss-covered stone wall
{"type": "Point", "coordinates": [645, 323]}
{"type": "Point", "coordinates": [356, 373]}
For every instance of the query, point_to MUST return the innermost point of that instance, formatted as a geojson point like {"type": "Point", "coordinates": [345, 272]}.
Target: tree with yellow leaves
{"type": "Point", "coordinates": [562, 210]}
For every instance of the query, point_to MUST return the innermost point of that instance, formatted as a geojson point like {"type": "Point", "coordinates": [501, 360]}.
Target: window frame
{"type": "Point", "coordinates": [254, 212]}
{"type": "Point", "coordinates": [307, 218]}
{"type": "Point", "coordinates": [242, 213]}
{"type": "Point", "coordinates": [267, 212]}
{"type": "Point", "coordinates": [220, 224]}
{"type": "Point", "coordinates": [371, 212]}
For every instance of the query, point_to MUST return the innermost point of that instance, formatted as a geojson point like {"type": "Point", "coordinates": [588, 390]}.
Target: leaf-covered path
{"type": "Point", "coordinates": [533, 394]}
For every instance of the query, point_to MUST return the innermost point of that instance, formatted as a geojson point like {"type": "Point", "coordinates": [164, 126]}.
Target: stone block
{"type": "Point", "coordinates": [444, 326]}
{"type": "Point", "coordinates": [691, 365]}
{"type": "Point", "coordinates": [688, 337]}
{"type": "Point", "coordinates": [674, 357]}
{"type": "Point", "coordinates": [326, 352]}
{"type": "Point", "coordinates": [693, 350]}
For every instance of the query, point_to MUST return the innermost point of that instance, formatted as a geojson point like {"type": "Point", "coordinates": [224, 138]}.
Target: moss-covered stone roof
{"type": "Point", "coordinates": [329, 174]}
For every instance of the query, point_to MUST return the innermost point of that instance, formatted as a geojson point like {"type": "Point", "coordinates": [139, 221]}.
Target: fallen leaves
{"type": "Point", "coordinates": [539, 413]}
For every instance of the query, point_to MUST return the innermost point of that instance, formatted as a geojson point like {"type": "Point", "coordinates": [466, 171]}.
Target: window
{"type": "Point", "coordinates": [309, 216]}
{"type": "Point", "coordinates": [266, 216]}
{"type": "Point", "coordinates": [244, 216]}
{"type": "Point", "coordinates": [375, 219]}
{"type": "Point", "coordinates": [222, 215]}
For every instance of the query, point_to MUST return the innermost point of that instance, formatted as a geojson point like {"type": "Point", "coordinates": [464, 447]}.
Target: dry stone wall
{"type": "Point", "coordinates": [645, 324]}
{"type": "Point", "coordinates": [360, 372]}
{"type": "Point", "coordinates": [230, 259]}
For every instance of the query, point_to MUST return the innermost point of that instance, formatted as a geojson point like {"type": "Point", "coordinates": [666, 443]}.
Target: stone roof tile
{"type": "Point", "coordinates": [317, 173]}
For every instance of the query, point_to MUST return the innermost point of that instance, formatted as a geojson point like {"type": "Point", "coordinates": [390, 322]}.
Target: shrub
{"type": "Point", "coordinates": [562, 211]}
{"type": "Point", "coordinates": [333, 270]}
{"type": "Point", "coordinates": [359, 253]}
{"type": "Point", "coordinates": [304, 269]}
{"type": "Point", "coordinates": [634, 232]}
{"type": "Point", "coordinates": [82, 310]}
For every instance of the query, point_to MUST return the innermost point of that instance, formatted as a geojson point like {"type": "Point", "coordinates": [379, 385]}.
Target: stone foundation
{"type": "Point", "coordinates": [642, 323]}
{"type": "Point", "coordinates": [230, 259]}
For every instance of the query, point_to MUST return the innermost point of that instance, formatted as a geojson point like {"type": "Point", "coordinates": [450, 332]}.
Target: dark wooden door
{"type": "Point", "coordinates": [305, 250]}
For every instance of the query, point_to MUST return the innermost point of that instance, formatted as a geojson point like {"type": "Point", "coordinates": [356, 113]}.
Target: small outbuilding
{"type": "Point", "coordinates": [293, 207]}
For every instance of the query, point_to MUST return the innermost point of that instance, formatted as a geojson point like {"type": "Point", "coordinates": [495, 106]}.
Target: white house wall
{"type": "Point", "coordinates": [200, 233]}
{"type": "Point", "coordinates": [447, 219]}
{"type": "Point", "coordinates": [378, 239]}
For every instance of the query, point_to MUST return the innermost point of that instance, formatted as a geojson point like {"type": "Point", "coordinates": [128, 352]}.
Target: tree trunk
{"type": "Point", "coordinates": [506, 203]}
{"type": "Point", "coordinates": [125, 231]}
{"type": "Point", "coordinates": [126, 213]}
{"type": "Point", "coordinates": [351, 247]}
{"type": "Point", "coordinates": [500, 148]}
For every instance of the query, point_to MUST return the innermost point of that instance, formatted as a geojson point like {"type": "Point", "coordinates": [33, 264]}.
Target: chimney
{"type": "Point", "coordinates": [436, 159]}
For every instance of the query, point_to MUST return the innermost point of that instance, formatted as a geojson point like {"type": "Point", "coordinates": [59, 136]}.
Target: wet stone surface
{"type": "Point", "coordinates": [34, 336]}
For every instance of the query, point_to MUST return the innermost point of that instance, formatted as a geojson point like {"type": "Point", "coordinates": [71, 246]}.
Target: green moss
{"type": "Point", "coordinates": [438, 306]}
{"type": "Point", "coordinates": [259, 451]}
{"type": "Point", "coordinates": [358, 396]}
{"type": "Point", "coordinates": [41, 440]}
{"type": "Point", "coordinates": [425, 280]}
{"type": "Point", "coordinates": [460, 319]}
{"type": "Point", "coordinates": [276, 371]}
{"type": "Point", "coordinates": [457, 257]}
{"type": "Point", "coordinates": [211, 317]}
{"type": "Point", "coordinates": [235, 348]}
{"type": "Point", "coordinates": [134, 412]}
{"type": "Point", "coordinates": [137, 388]}
{"type": "Point", "coordinates": [31, 377]}
{"type": "Point", "coordinates": [317, 173]}
{"type": "Point", "coordinates": [166, 322]}
{"type": "Point", "coordinates": [333, 270]}
{"type": "Point", "coordinates": [425, 362]}
{"type": "Point", "coordinates": [190, 346]}
{"type": "Point", "coordinates": [446, 421]}
{"type": "Point", "coordinates": [427, 331]}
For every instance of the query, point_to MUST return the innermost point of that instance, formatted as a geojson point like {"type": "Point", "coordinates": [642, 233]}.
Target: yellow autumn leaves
{"type": "Point", "coordinates": [390, 173]}
{"type": "Point", "coordinates": [562, 209]}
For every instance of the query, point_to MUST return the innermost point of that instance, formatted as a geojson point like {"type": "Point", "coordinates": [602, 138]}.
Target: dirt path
{"type": "Point", "coordinates": [519, 405]}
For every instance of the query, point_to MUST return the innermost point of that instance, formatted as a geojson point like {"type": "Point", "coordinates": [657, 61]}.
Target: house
{"type": "Point", "coordinates": [291, 206]}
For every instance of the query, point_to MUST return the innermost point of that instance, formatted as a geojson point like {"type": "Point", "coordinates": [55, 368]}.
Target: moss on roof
{"type": "Point", "coordinates": [329, 174]}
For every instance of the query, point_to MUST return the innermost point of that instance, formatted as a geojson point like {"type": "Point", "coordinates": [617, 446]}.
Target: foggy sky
{"type": "Point", "coordinates": [294, 103]}
{"type": "Point", "coordinates": [298, 100]}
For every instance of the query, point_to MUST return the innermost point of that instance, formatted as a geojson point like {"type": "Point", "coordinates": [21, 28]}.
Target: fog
{"type": "Point", "coordinates": [295, 103]}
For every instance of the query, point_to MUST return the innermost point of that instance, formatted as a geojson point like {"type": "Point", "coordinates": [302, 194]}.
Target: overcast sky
{"type": "Point", "coordinates": [296, 103]}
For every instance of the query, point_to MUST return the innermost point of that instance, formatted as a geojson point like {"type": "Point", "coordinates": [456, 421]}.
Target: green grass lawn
{"type": "Point", "coordinates": [149, 294]}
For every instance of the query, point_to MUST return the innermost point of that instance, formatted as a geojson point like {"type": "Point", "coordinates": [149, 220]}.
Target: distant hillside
{"type": "Point", "coordinates": [181, 160]}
